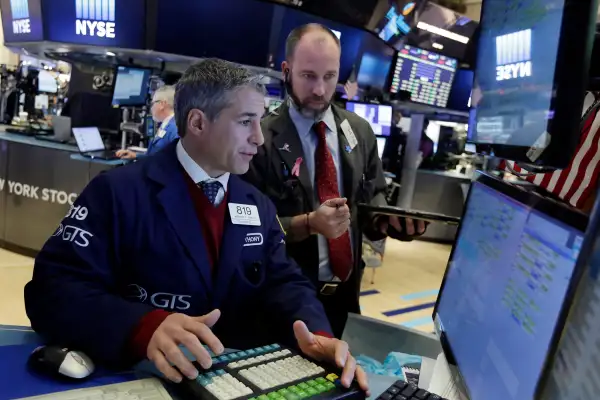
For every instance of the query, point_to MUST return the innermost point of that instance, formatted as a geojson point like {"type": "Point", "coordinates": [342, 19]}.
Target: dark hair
{"type": "Point", "coordinates": [297, 33]}
{"type": "Point", "coordinates": [207, 86]}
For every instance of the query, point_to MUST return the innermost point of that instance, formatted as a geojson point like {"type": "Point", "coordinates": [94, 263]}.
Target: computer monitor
{"type": "Point", "coordinates": [530, 78]}
{"type": "Point", "coordinates": [442, 30]}
{"type": "Point", "coordinates": [426, 75]}
{"type": "Point", "coordinates": [46, 82]}
{"type": "Point", "coordinates": [460, 94]}
{"type": "Point", "coordinates": [502, 303]}
{"type": "Point", "coordinates": [131, 86]}
{"type": "Point", "coordinates": [377, 115]}
{"type": "Point", "coordinates": [375, 62]}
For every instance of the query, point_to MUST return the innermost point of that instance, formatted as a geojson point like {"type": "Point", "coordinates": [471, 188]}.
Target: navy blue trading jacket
{"type": "Point", "coordinates": [132, 243]}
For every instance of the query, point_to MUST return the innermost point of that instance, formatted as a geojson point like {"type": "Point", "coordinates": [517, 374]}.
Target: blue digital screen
{"type": "Point", "coordinates": [350, 38]}
{"type": "Point", "coordinates": [426, 75]}
{"type": "Point", "coordinates": [377, 115]}
{"type": "Point", "coordinates": [503, 293]}
{"type": "Point", "coordinates": [461, 90]}
{"type": "Point", "coordinates": [114, 23]}
{"type": "Point", "coordinates": [234, 30]}
{"type": "Point", "coordinates": [516, 67]}
{"type": "Point", "coordinates": [375, 62]}
{"type": "Point", "coordinates": [131, 86]}
{"type": "Point", "coordinates": [22, 20]}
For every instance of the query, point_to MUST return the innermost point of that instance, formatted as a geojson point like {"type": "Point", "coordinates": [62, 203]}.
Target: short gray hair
{"type": "Point", "coordinates": [165, 93]}
{"type": "Point", "coordinates": [207, 86]}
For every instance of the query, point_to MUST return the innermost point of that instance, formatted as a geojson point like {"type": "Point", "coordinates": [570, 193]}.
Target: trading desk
{"type": "Point", "coordinates": [365, 336]}
{"type": "Point", "coordinates": [39, 180]}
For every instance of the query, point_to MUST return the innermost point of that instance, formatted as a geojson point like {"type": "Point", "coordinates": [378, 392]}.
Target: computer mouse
{"type": "Point", "coordinates": [60, 362]}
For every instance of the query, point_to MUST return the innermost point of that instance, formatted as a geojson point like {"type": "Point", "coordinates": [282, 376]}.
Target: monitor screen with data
{"type": "Point", "coordinates": [131, 87]}
{"type": "Point", "coordinates": [377, 115]}
{"type": "Point", "coordinates": [501, 302]}
{"type": "Point", "coordinates": [426, 75]}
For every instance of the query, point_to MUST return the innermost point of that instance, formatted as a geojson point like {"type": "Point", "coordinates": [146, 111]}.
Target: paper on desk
{"type": "Point", "coordinates": [445, 381]}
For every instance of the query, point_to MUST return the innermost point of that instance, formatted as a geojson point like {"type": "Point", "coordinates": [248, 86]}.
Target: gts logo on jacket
{"type": "Point", "coordinates": [166, 301]}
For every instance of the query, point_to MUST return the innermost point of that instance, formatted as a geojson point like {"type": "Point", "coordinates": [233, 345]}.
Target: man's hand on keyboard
{"type": "Point", "coordinates": [192, 332]}
{"type": "Point", "coordinates": [333, 351]}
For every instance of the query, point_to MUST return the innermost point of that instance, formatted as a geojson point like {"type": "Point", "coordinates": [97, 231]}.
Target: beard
{"type": "Point", "coordinates": [303, 106]}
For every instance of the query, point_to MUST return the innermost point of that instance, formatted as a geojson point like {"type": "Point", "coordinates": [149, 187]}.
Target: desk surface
{"type": "Point", "coordinates": [16, 381]}
{"type": "Point", "coordinates": [32, 141]}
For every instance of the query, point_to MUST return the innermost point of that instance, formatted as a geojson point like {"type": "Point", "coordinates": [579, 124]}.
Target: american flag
{"type": "Point", "coordinates": [575, 183]}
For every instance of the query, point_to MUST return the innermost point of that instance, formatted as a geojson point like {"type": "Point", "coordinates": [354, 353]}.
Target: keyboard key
{"type": "Point", "coordinates": [312, 383]}
{"type": "Point", "coordinates": [400, 384]}
{"type": "Point", "coordinates": [303, 386]}
{"type": "Point", "coordinates": [409, 390]}
{"type": "Point", "coordinates": [421, 394]}
{"type": "Point", "coordinates": [263, 397]}
{"type": "Point", "coordinates": [393, 390]}
{"type": "Point", "coordinates": [329, 385]}
{"type": "Point", "coordinates": [320, 380]}
{"type": "Point", "coordinates": [434, 397]}
{"type": "Point", "coordinates": [400, 397]}
{"type": "Point", "coordinates": [321, 388]}
{"type": "Point", "coordinates": [386, 396]}
{"type": "Point", "coordinates": [312, 391]}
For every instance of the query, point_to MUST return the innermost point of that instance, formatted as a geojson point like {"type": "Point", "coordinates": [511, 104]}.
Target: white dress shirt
{"type": "Point", "coordinates": [198, 175]}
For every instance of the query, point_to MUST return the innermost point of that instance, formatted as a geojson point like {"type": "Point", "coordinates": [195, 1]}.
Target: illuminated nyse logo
{"type": "Point", "coordinates": [95, 18]}
{"type": "Point", "coordinates": [513, 55]}
{"type": "Point", "coordinates": [20, 16]}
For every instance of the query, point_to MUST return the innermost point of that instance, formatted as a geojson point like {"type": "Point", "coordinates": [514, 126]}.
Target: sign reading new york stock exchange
{"type": "Point", "coordinates": [37, 193]}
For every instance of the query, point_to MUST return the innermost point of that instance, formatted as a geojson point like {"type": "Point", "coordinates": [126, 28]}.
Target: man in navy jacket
{"type": "Point", "coordinates": [162, 110]}
{"type": "Point", "coordinates": [178, 250]}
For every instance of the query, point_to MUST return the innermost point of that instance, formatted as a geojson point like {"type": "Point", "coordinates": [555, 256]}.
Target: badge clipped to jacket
{"type": "Point", "coordinates": [349, 134]}
{"type": "Point", "coordinates": [244, 214]}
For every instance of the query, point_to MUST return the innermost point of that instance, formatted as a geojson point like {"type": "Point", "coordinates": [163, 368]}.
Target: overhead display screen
{"type": "Point", "coordinates": [114, 23]}
{"type": "Point", "coordinates": [515, 75]}
{"type": "Point", "coordinates": [22, 20]}
{"type": "Point", "coordinates": [426, 75]}
{"type": "Point", "coordinates": [375, 62]}
{"type": "Point", "coordinates": [234, 30]}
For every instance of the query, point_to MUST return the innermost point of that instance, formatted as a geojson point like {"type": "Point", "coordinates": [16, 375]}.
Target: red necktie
{"type": "Point", "coordinates": [340, 251]}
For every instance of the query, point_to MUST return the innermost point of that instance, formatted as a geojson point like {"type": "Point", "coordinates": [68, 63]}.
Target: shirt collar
{"type": "Point", "coordinates": [166, 120]}
{"type": "Point", "coordinates": [304, 125]}
{"type": "Point", "coordinates": [195, 171]}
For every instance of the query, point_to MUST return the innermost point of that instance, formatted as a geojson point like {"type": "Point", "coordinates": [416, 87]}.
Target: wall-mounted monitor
{"type": "Point", "coordinates": [398, 21]}
{"type": "Point", "coordinates": [442, 30]}
{"type": "Point", "coordinates": [428, 76]}
{"type": "Point", "coordinates": [131, 86]}
{"type": "Point", "coordinates": [379, 116]}
{"type": "Point", "coordinates": [460, 94]}
{"type": "Point", "coordinates": [234, 30]}
{"type": "Point", "coordinates": [532, 70]}
{"type": "Point", "coordinates": [375, 62]}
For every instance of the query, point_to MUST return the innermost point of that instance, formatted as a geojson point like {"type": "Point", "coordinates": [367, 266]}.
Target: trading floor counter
{"type": "Point", "coordinates": [16, 343]}
{"type": "Point", "coordinates": [39, 180]}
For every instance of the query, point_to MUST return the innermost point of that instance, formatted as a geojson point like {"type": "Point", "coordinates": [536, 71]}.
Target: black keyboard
{"type": "Point", "coordinates": [271, 372]}
{"type": "Point", "coordinates": [407, 391]}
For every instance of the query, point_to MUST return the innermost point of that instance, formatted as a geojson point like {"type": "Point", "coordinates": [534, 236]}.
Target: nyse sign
{"type": "Point", "coordinates": [512, 71]}
{"type": "Point", "coordinates": [20, 15]}
{"type": "Point", "coordinates": [21, 26]}
{"type": "Point", "coordinates": [513, 55]}
{"type": "Point", "coordinates": [95, 18]}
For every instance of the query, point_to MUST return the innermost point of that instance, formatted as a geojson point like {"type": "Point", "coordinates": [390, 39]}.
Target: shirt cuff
{"type": "Point", "coordinates": [324, 334]}
{"type": "Point", "coordinates": [143, 332]}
